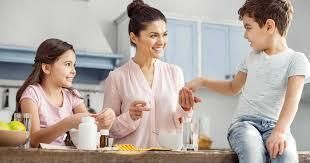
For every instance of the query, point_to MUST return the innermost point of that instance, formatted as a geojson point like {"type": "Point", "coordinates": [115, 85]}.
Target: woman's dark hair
{"type": "Point", "coordinates": [141, 15]}
{"type": "Point", "coordinates": [48, 52]}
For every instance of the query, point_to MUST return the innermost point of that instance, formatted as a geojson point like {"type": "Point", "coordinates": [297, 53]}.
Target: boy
{"type": "Point", "coordinates": [271, 79]}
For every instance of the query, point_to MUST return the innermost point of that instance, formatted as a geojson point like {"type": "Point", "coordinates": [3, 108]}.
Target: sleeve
{"type": "Point", "coordinates": [76, 99]}
{"type": "Point", "coordinates": [243, 66]}
{"type": "Point", "coordinates": [123, 124]}
{"type": "Point", "coordinates": [32, 94]}
{"type": "Point", "coordinates": [180, 113]}
{"type": "Point", "coordinates": [299, 66]}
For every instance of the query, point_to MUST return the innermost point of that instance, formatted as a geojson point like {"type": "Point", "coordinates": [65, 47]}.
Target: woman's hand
{"type": "Point", "coordinates": [105, 118]}
{"type": "Point", "coordinates": [187, 99]}
{"type": "Point", "coordinates": [136, 109]}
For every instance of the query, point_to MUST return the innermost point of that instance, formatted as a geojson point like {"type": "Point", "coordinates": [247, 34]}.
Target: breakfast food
{"type": "Point", "coordinates": [204, 142]}
{"type": "Point", "coordinates": [14, 126]}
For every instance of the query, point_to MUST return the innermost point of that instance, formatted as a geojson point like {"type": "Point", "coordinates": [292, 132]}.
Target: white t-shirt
{"type": "Point", "coordinates": [267, 77]}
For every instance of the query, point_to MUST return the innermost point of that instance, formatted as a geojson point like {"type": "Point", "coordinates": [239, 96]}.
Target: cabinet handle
{"type": "Point", "coordinates": [227, 77]}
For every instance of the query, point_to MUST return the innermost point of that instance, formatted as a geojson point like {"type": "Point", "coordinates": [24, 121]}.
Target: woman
{"type": "Point", "coordinates": [144, 91]}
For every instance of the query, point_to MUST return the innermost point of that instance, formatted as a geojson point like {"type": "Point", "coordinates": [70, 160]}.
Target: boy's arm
{"type": "Point", "coordinates": [276, 142]}
{"type": "Point", "coordinates": [293, 94]}
{"type": "Point", "coordinates": [231, 87]}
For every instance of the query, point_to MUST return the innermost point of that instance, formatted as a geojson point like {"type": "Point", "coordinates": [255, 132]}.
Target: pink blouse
{"type": "Point", "coordinates": [127, 84]}
{"type": "Point", "coordinates": [48, 113]}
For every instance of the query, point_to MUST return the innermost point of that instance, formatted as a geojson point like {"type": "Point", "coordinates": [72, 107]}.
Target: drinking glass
{"type": "Point", "coordinates": [24, 118]}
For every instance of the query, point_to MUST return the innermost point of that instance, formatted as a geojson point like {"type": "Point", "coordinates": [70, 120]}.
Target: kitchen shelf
{"type": "Point", "coordinates": [92, 68]}
{"type": "Point", "coordinates": [23, 55]}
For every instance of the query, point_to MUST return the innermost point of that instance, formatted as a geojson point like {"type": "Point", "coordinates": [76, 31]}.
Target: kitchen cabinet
{"type": "Point", "coordinates": [182, 46]}
{"type": "Point", "coordinates": [223, 49]}
{"type": "Point", "coordinates": [91, 67]}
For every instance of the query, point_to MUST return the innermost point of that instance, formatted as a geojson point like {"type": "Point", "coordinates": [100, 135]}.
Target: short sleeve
{"type": "Point", "coordinates": [76, 99]}
{"type": "Point", "coordinates": [31, 93]}
{"type": "Point", "coordinates": [299, 65]}
{"type": "Point", "coordinates": [243, 66]}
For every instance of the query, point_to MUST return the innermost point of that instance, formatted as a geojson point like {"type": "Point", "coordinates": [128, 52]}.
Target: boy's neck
{"type": "Point", "coordinates": [277, 45]}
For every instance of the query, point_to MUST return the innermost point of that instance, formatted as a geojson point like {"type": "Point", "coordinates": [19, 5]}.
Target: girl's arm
{"type": "Point", "coordinates": [47, 135]}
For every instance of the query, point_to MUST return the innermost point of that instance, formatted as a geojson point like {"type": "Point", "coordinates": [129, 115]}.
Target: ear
{"type": "Point", "coordinates": [133, 37]}
{"type": "Point", "coordinates": [46, 68]}
{"type": "Point", "coordinates": [270, 25]}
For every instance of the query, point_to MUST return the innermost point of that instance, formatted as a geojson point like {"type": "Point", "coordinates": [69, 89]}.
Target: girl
{"type": "Point", "coordinates": [47, 95]}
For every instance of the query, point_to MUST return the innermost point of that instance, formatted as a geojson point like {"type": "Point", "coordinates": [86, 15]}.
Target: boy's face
{"type": "Point", "coordinates": [257, 36]}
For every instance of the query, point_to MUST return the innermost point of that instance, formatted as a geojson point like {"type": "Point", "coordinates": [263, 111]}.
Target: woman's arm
{"type": "Point", "coordinates": [123, 123]}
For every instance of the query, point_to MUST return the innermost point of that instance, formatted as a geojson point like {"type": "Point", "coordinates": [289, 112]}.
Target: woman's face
{"type": "Point", "coordinates": [153, 40]}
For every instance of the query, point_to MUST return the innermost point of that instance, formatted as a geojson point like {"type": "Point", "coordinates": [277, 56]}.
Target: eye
{"type": "Point", "coordinates": [153, 36]}
{"type": "Point", "coordinates": [68, 64]}
{"type": "Point", "coordinates": [165, 34]}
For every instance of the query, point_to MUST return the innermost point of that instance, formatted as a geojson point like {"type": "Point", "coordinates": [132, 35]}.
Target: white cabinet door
{"type": "Point", "coordinates": [223, 49]}
{"type": "Point", "coordinates": [215, 45]}
{"type": "Point", "coordinates": [182, 46]}
{"type": "Point", "coordinates": [239, 48]}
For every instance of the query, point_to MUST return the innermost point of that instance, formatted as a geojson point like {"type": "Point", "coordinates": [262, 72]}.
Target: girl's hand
{"type": "Point", "coordinates": [136, 109]}
{"type": "Point", "coordinates": [187, 99]}
{"type": "Point", "coordinates": [75, 119]}
{"type": "Point", "coordinates": [105, 118]}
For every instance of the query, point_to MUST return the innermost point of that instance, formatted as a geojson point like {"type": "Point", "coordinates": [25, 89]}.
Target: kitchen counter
{"type": "Point", "coordinates": [8, 155]}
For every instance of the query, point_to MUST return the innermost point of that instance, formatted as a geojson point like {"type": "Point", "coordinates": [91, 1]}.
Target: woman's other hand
{"type": "Point", "coordinates": [187, 99]}
{"type": "Point", "coordinates": [136, 109]}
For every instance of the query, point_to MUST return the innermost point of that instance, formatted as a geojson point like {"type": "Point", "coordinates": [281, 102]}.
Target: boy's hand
{"type": "Point", "coordinates": [276, 144]}
{"type": "Point", "coordinates": [194, 84]}
{"type": "Point", "coordinates": [187, 99]}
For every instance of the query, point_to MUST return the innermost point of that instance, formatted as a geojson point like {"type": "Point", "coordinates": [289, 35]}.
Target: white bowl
{"type": "Point", "coordinates": [74, 135]}
{"type": "Point", "coordinates": [172, 141]}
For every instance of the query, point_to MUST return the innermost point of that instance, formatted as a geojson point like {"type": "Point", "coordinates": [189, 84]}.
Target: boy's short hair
{"type": "Point", "coordinates": [281, 11]}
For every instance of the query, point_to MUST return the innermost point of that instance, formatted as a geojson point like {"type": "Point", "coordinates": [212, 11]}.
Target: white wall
{"type": "Point", "coordinates": [27, 23]}
{"type": "Point", "coordinates": [106, 11]}
{"type": "Point", "coordinates": [299, 34]}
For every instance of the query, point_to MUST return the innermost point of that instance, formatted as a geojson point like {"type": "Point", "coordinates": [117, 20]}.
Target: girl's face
{"type": "Point", "coordinates": [62, 72]}
{"type": "Point", "coordinates": [153, 40]}
{"type": "Point", "coordinates": [256, 35]}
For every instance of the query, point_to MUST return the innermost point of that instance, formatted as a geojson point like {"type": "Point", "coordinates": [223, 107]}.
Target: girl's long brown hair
{"type": "Point", "coordinates": [48, 52]}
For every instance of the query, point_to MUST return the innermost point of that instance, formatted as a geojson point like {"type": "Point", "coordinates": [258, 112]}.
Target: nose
{"type": "Point", "coordinates": [73, 71]}
{"type": "Point", "coordinates": [245, 35]}
{"type": "Point", "coordinates": [161, 40]}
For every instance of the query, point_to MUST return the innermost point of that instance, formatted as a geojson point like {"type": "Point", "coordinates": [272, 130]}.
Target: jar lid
{"type": "Point", "coordinates": [104, 132]}
{"type": "Point", "coordinates": [88, 119]}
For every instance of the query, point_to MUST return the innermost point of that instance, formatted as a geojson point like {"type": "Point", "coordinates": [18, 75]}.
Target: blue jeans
{"type": "Point", "coordinates": [248, 135]}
